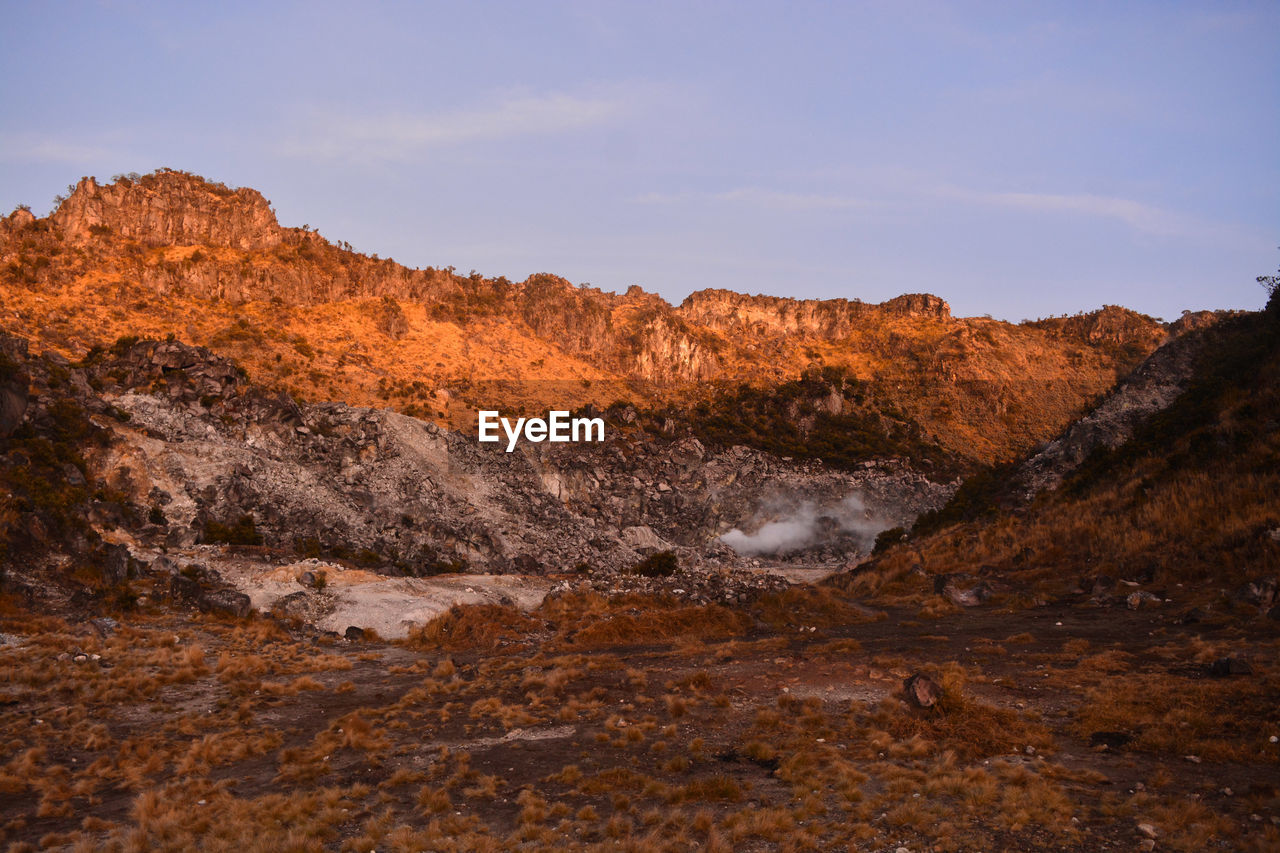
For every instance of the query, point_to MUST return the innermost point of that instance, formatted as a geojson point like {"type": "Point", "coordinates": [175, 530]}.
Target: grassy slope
{"type": "Point", "coordinates": [1190, 499]}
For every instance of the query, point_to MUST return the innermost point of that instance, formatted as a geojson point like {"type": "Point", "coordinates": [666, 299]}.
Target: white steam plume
{"type": "Point", "coordinates": [800, 528]}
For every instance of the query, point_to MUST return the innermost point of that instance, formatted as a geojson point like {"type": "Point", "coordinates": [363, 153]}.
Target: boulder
{"type": "Point", "coordinates": [1143, 599]}
{"type": "Point", "coordinates": [922, 691]}
{"type": "Point", "coordinates": [962, 590]}
{"type": "Point", "coordinates": [971, 597]}
{"type": "Point", "coordinates": [183, 588]}
{"type": "Point", "coordinates": [163, 565]}
{"type": "Point", "coordinates": [1261, 592]}
{"type": "Point", "coordinates": [1109, 740]}
{"type": "Point", "coordinates": [1228, 666]}
{"type": "Point", "coordinates": [227, 602]}
{"type": "Point", "coordinates": [117, 565]}
{"type": "Point", "coordinates": [104, 625]}
{"type": "Point", "coordinates": [294, 604]}
{"type": "Point", "coordinates": [642, 538]}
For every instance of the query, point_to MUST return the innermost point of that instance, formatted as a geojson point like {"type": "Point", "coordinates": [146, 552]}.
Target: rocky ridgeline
{"type": "Point", "coordinates": [206, 456]}
{"type": "Point", "coordinates": [179, 235]}
{"type": "Point", "coordinates": [168, 209]}
{"type": "Point", "coordinates": [827, 319]}
{"type": "Point", "coordinates": [1150, 388]}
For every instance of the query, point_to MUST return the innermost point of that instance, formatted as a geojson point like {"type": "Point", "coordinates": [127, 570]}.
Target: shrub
{"type": "Point", "coordinates": [979, 496]}
{"type": "Point", "coordinates": [243, 532]}
{"type": "Point", "coordinates": [660, 565]}
{"type": "Point", "coordinates": [124, 343]}
{"type": "Point", "coordinates": [886, 539]}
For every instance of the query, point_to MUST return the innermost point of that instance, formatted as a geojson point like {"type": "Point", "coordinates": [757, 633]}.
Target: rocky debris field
{"type": "Point", "coordinates": [338, 600]}
{"type": "Point", "coordinates": [206, 456]}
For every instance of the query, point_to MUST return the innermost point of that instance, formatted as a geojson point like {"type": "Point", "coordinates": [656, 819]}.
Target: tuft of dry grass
{"type": "Point", "coordinates": [811, 606]}
{"type": "Point", "coordinates": [589, 620]}
{"type": "Point", "coordinates": [475, 626]}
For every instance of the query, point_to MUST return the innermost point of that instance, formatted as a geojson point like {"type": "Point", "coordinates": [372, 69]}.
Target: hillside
{"type": "Point", "coordinates": [192, 664]}
{"type": "Point", "coordinates": [233, 619]}
{"type": "Point", "coordinates": [1169, 486]}
{"type": "Point", "coordinates": [172, 253]}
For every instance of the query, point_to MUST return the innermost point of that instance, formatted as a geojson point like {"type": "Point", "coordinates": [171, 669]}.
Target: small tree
{"type": "Point", "coordinates": [1272, 284]}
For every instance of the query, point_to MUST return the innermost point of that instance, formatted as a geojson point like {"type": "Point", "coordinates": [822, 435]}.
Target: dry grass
{"type": "Point", "coordinates": [593, 621]}
{"type": "Point", "coordinates": [645, 747]}
{"type": "Point", "coordinates": [1173, 716]}
{"type": "Point", "coordinates": [811, 606]}
{"type": "Point", "coordinates": [476, 626]}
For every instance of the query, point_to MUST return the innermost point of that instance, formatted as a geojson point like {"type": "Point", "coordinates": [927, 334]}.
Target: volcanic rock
{"type": "Point", "coordinates": [922, 690]}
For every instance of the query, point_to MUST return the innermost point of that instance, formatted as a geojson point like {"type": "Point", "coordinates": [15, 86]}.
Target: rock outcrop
{"type": "Point", "coordinates": [13, 383]}
{"type": "Point", "coordinates": [1151, 387]}
{"type": "Point", "coordinates": [826, 319]}
{"type": "Point", "coordinates": [169, 209]}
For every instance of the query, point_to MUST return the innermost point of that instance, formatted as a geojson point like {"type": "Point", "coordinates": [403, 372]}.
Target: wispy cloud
{"type": "Point", "coordinates": [399, 136]}
{"type": "Point", "coordinates": [764, 198]}
{"type": "Point", "coordinates": [894, 194]}
{"type": "Point", "coordinates": [26, 148]}
{"type": "Point", "coordinates": [1141, 217]}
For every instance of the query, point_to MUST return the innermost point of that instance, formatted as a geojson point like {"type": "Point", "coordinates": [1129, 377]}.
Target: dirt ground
{"type": "Point", "coordinates": [1064, 727]}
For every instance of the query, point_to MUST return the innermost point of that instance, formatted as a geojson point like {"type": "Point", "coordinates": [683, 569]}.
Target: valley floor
{"type": "Point", "coordinates": [642, 725]}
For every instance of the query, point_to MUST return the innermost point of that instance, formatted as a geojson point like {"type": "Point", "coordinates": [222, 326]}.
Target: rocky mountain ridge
{"type": "Point", "coordinates": [172, 253]}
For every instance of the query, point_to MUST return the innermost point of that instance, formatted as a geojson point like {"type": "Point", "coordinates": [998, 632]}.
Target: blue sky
{"type": "Point", "coordinates": [1017, 159]}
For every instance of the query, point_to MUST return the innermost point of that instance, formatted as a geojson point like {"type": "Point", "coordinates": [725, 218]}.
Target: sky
{"type": "Point", "coordinates": [1020, 160]}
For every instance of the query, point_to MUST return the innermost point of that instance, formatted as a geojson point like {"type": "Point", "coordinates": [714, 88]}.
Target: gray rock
{"type": "Point", "coordinates": [922, 691]}
{"type": "Point", "coordinates": [295, 604]}
{"type": "Point", "coordinates": [104, 625]}
{"type": "Point", "coordinates": [1228, 666]}
{"type": "Point", "coordinates": [226, 602]}
{"type": "Point", "coordinates": [357, 474]}
{"type": "Point", "coordinates": [962, 590]}
{"type": "Point", "coordinates": [1151, 387]}
{"type": "Point", "coordinates": [183, 588]}
{"type": "Point", "coordinates": [1141, 599]}
{"type": "Point", "coordinates": [117, 565]}
{"type": "Point", "coordinates": [1261, 592]}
